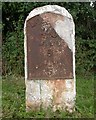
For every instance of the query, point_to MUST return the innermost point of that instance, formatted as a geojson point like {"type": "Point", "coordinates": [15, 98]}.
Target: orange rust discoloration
{"type": "Point", "coordinates": [53, 93]}
{"type": "Point", "coordinates": [58, 87]}
{"type": "Point", "coordinates": [28, 104]}
{"type": "Point", "coordinates": [32, 106]}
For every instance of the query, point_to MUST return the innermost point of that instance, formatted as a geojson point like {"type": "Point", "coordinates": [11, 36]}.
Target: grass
{"type": "Point", "coordinates": [13, 100]}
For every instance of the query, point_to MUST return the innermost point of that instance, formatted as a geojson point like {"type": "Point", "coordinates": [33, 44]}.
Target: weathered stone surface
{"type": "Point", "coordinates": [49, 56]}
{"type": "Point", "coordinates": [55, 92]}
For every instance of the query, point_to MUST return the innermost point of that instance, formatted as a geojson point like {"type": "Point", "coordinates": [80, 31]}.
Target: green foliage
{"type": "Point", "coordinates": [13, 52]}
{"type": "Point", "coordinates": [13, 18]}
{"type": "Point", "coordinates": [13, 100]}
{"type": "Point", "coordinates": [85, 55]}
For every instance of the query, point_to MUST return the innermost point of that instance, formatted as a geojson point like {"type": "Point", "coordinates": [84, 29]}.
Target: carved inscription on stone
{"type": "Point", "coordinates": [48, 55]}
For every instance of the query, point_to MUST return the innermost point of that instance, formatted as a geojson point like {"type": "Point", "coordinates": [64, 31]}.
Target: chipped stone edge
{"type": "Point", "coordinates": [54, 9]}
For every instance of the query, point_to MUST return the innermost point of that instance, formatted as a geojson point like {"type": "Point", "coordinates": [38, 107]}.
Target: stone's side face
{"type": "Point", "coordinates": [50, 59]}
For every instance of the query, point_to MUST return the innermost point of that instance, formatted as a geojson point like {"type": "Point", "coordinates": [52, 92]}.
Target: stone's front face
{"type": "Point", "coordinates": [50, 59]}
{"type": "Point", "coordinates": [48, 55]}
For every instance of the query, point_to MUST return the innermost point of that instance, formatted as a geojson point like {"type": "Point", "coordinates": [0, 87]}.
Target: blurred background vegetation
{"type": "Point", "coordinates": [13, 18]}
{"type": "Point", "coordinates": [13, 87]}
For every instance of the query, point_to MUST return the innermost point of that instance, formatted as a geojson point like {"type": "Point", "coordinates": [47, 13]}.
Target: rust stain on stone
{"type": "Point", "coordinates": [59, 88]}
{"type": "Point", "coordinates": [50, 79]}
{"type": "Point", "coordinates": [53, 93]}
{"type": "Point", "coordinates": [49, 57]}
{"type": "Point", "coordinates": [32, 106]}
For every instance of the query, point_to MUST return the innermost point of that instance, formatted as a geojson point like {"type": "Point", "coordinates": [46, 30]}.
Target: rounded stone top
{"type": "Point", "coordinates": [60, 21]}
{"type": "Point", "coordinates": [49, 8]}
{"type": "Point", "coordinates": [64, 28]}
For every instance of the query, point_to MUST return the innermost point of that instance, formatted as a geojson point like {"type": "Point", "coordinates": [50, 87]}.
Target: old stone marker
{"type": "Point", "coordinates": [50, 59]}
